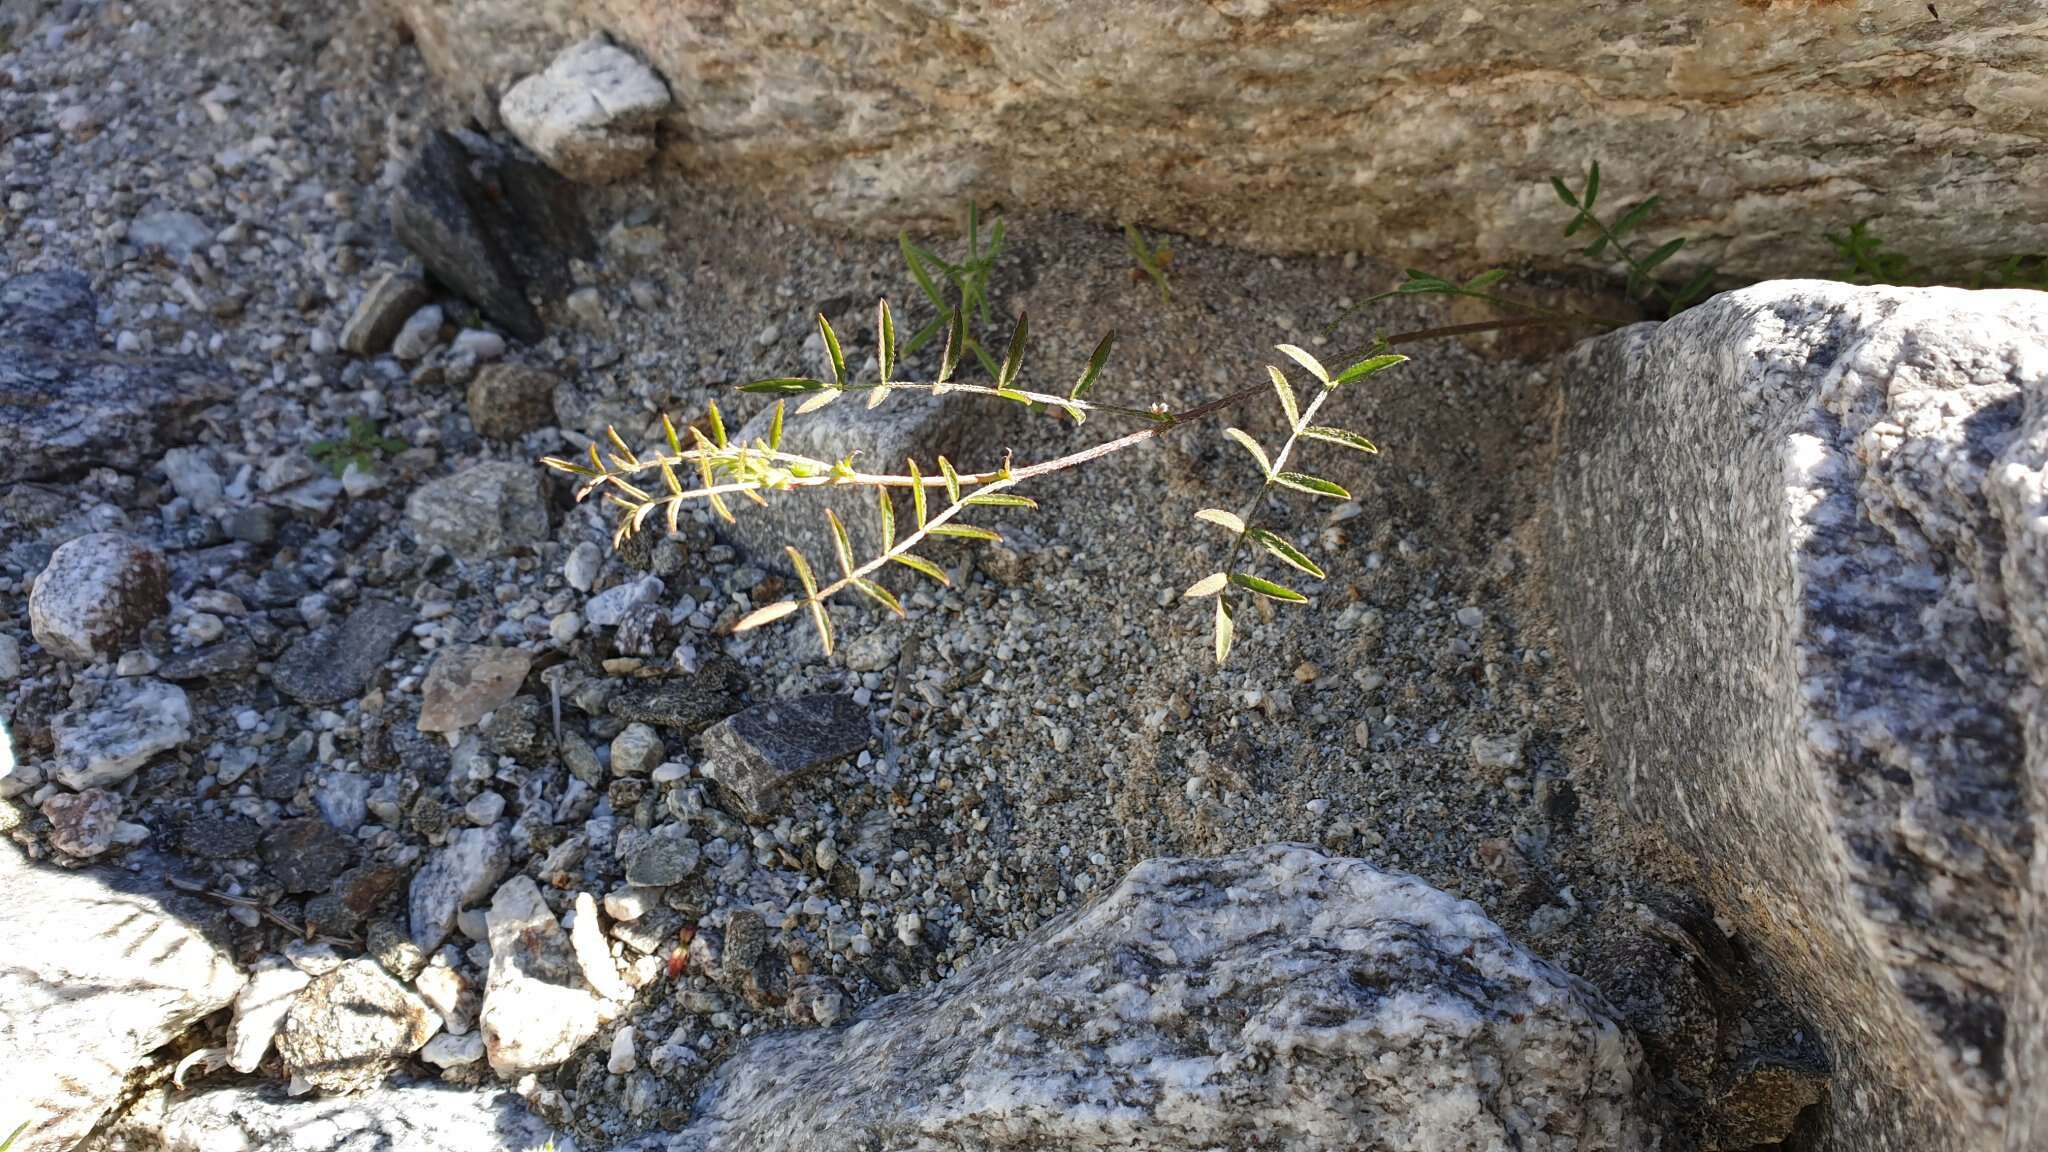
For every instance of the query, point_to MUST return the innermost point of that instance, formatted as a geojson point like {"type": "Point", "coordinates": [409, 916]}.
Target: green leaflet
{"type": "Point", "coordinates": [1251, 446]}
{"type": "Point", "coordinates": [1340, 437]}
{"type": "Point", "coordinates": [923, 566]}
{"type": "Point", "coordinates": [832, 349]}
{"type": "Point", "coordinates": [1267, 588]}
{"type": "Point", "coordinates": [1279, 546]}
{"type": "Point", "coordinates": [1313, 485]}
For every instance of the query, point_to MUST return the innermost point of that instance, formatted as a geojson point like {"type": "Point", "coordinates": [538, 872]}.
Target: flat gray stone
{"type": "Point", "coordinates": [754, 755]}
{"type": "Point", "coordinates": [393, 1118]}
{"type": "Point", "coordinates": [100, 969]}
{"type": "Point", "coordinates": [1797, 547]}
{"type": "Point", "coordinates": [482, 511]}
{"type": "Point", "coordinates": [1277, 999]}
{"type": "Point", "coordinates": [340, 661]}
{"type": "Point", "coordinates": [66, 405]}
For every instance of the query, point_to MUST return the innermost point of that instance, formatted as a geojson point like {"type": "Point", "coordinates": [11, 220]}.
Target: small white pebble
{"type": "Point", "coordinates": [623, 1059]}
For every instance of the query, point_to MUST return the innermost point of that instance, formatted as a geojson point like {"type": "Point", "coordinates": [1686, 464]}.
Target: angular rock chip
{"type": "Point", "coordinates": [755, 754]}
{"type": "Point", "coordinates": [103, 744]}
{"type": "Point", "coordinates": [349, 1029]}
{"type": "Point", "coordinates": [467, 682]}
{"type": "Point", "coordinates": [100, 969]}
{"type": "Point", "coordinates": [459, 875]}
{"type": "Point", "coordinates": [485, 510]}
{"type": "Point", "coordinates": [1276, 999]}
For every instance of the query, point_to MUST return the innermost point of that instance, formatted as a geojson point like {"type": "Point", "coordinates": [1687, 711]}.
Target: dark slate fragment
{"type": "Point", "coordinates": [54, 309]}
{"type": "Point", "coordinates": [219, 837]}
{"type": "Point", "coordinates": [61, 412]}
{"type": "Point", "coordinates": [340, 661]}
{"type": "Point", "coordinates": [305, 855]}
{"type": "Point", "coordinates": [754, 755]}
{"type": "Point", "coordinates": [687, 704]}
{"type": "Point", "coordinates": [486, 223]}
{"type": "Point", "coordinates": [231, 657]}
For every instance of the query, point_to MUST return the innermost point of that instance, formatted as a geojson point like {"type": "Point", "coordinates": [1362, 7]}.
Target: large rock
{"type": "Point", "coordinates": [66, 406]}
{"type": "Point", "coordinates": [396, 1118]}
{"type": "Point", "coordinates": [1797, 535]}
{"type": "Point", "coordinates": [1276, 999]}
{"type": "Point", "coordinates": [1425, 132]}
{"type": "Point", "coordinates": [490, 225]}
{"type": "Point", "coordinates": [99, 969]}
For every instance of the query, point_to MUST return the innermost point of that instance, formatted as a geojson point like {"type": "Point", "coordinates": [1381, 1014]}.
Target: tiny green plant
{"type": "Point", "coordinates": [646, 487]}
{"type": "Point", "coordinates": [1152, 259]}
{"type": "Point", "coordinates": [1866, 259]}
{"type": "Point", "coordinates": [1612, 239]}
{"type": "Point", "coordinates": [965, 294]}
{"type": "Point", "coordinates": [13, 1136]}
{"type": "Point", "coordinates": [362, 447]}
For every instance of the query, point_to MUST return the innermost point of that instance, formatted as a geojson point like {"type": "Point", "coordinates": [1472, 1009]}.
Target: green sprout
{"type": "Point", "coordinates": [361, 447]}
{"type": "Point", "coordinates": [1152, 260]}
{"type": "Point", "coordinates": [966, 280]}
{"type": "Point", "coordinates": [1613, 238]}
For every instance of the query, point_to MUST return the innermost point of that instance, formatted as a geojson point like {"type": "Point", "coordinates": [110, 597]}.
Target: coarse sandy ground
{"type": "Point", "coordinates": [1051, 720]}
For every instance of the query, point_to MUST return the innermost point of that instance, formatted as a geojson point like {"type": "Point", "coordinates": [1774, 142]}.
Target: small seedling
{"type": "Point", "coordinates": [14, 1135]}
{"type": "Point", "coordinates": [968, 281]}
{"type": "Point", "coordinates": [1865, 258]}
{"type": "Point", "coordinates": [941, 496]}
{"type": "Point", "coordinates": [1612, 238]}
{"type": "Point", "coordinates": [1152, 259]}
{"type": "Point", "coordinates": [361, 447]}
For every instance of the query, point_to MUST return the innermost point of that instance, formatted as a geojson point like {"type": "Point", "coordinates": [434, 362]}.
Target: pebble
{"type": "Point", "coordinates": [666, 856]}
{"type": "Point", "coordinates": [422, 331]}
{"type": "Point", "coordinates": [453, 1050]}
{"type": "Point", "coordinates": [582, 565]}
{"type": "Point", "coordinates": [96, 595]}
{"type": "Point", "coordinates": [479, 344]}
{"type": "Point", "coordinates": [623, 1059]}
{"type": "Point", "coordinates": [636, 750]}
{"type": "Point", "coordinates": [383, 312]}
{"type": "Point", "coordinates": [82, 823]}
{"type": "Point", "coordinates": [484, 809]}
{"type": "Point", "coordinates": [629, 904]}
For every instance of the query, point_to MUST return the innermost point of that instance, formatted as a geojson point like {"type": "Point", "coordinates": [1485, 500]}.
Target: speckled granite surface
{"type": "Point", "coordinates": [1798, 553]}
{"type": "Point", "coordinates": [1276, 998]}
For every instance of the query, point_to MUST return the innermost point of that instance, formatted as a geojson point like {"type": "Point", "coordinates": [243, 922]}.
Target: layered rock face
{"type": "Point", "coordinates": [1277, 998]}
{"type": "Point", "coordinates": [1800, 544]}
{"type": "Point", "coordinates": [1426, 132]}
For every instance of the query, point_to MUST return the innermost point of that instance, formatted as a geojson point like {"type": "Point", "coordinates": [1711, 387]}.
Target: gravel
{"type": "Point", "coordinates": [1024, 736]}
